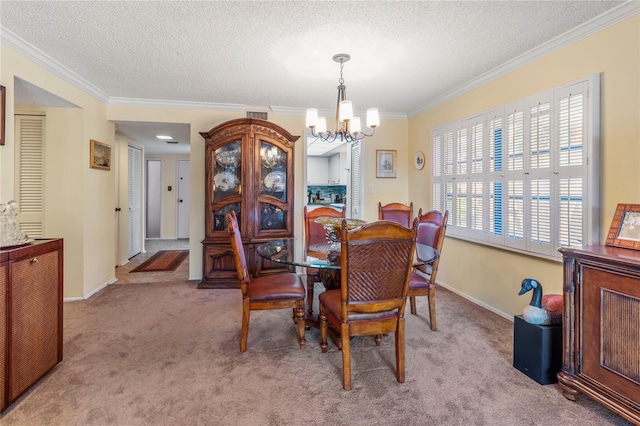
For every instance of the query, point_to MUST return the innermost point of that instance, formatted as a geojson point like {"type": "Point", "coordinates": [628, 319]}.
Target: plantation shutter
{"type": "Point", "coordinates": [30, 174]}
{"type": "Point", "coordinates": [436, 172]}
{"type": "Point", "coordinates": [515, 178]}
{"type": "Point", "coordinates": [356, 183]}
{"type": "Point", "coordinates": [571, 157]}
{"type": "Point", "coordinates": [494, 179]}
{"type": "Point", "coordinates": [540, 174]}
{"type": "Point", "coordinates": [476, 190]}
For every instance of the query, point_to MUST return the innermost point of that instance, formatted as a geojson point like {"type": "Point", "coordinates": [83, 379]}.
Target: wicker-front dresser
{"type": "Point", "coordinates": [30, 316]}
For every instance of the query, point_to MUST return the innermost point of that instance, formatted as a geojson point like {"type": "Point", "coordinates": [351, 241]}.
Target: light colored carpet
{"type": "Point", "coordinates": [166, 353]}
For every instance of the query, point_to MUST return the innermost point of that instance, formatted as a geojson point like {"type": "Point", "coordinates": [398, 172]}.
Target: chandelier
{"type": "Point", "coordinates": [348, 127]}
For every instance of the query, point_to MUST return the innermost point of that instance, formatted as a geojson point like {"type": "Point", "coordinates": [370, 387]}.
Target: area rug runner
{"type": "Point", "coordinates": [164, 260]}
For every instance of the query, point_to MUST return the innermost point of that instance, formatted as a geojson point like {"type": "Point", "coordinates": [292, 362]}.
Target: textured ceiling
{"type": "Point", "coordinates": [404, 55]}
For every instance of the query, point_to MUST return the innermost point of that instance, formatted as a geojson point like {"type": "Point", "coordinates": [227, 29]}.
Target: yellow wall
{"type": "Point", "coordinates": [83, 199]}
{"type": "Point", "coordinates": [80, 201]}
{"type": "Point", "coordinates": [492, 276]}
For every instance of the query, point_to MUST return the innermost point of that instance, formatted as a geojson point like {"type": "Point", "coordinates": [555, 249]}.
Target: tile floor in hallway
{"type": "Point", "coordinates": [124, 276]}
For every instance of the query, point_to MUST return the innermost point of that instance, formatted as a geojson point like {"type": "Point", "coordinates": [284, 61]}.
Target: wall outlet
{"type": "Point", "coordinates": [370, 189]}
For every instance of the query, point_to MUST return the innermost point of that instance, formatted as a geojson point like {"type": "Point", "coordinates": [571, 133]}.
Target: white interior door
{"type": "Point", "coordinates": [154, 198]}
{"type": "Point", "coordinates": [134, 212]}
{"type": "Point", "coordinates": [184, 167]}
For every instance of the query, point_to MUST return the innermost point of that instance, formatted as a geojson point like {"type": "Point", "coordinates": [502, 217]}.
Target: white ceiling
{"type": "Point", "coordinates": [405, 56]}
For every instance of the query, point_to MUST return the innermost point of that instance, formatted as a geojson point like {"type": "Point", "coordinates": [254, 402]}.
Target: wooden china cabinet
{"type": "Point", "coordinates": [249, 170]}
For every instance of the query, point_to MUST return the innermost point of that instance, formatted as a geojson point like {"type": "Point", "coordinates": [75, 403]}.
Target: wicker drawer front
{"type": "Point", "coordinates": [34, 320]}
{"type": "Point", "coordinates": [3, 335]}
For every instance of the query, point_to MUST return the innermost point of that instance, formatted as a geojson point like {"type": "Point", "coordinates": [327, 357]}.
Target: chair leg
{"type": "Point", "coordinates": [346, 357]}
{"type": "Point", "coordinates": [324, 326]}
{"type": "Point", "coordinates": [378, 339]}
{"type": "Point", "coordinates": [246, 312]}
{"type": "Point", "coordinates": [299, 310]}
{"type": "Point", "coordinates": [432, 307]}
{"type": "Point", "coordinates": [412, 303]}
{"type": "Point", "coordinates": [310, 285]}
{"type": "Point", "coordinates": [400, 351]}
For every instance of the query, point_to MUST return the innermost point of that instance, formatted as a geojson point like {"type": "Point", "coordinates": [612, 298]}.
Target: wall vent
{"type": "Point", "coordinates": [262, 115]}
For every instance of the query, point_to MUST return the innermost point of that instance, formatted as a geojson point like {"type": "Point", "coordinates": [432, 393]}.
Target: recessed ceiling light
{"type": "Point", "coordinates": [163, 137]}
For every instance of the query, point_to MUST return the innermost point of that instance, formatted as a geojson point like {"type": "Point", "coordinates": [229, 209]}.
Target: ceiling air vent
{"type": "Point", "coordinates": [262, 115]}
{"type": "Point", "coordinates": [172, 141]}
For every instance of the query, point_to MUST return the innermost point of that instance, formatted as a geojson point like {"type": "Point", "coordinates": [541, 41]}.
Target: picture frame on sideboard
{"type": "Point", "coordinates": [624, 231]}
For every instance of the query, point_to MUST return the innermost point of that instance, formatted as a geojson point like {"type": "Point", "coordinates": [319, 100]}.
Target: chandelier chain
{"type": "Point", "coordinates": [341, 81]}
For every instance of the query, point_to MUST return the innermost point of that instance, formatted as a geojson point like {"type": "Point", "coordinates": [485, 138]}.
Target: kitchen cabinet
{"type": "Point", "coordinates": [249, 167]}
{"type": "Point", "coordinates": [317, 170]}
{"type": "Point", "coordinates": [31, 295]}
{"type": "Point", "coordinates": [601, 327]}
{"type": "Point", "coordinates": [338, 169]}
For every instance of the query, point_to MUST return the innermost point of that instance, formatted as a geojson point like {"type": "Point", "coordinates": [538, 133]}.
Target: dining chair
{"type": "Point", "coordinates": [376, 261]}
{"type": "Point", "coordinates": [396, 212]}
{"type": "Point", "coordinates": [431, 229]}
{"type": "Point", "coordinates": [276, 291]}
{"type": "Point", "coordinates": [314, 233]}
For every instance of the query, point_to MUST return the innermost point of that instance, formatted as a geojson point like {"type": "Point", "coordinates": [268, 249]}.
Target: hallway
{"type": "Point", "coordinates": [124, 276]}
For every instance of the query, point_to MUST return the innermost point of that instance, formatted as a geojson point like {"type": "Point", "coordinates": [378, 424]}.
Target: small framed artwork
{"type": "Point", "coordinates": [3, 100]}
{"type": "Point", "coordinates": [100, 157]}
{"type": "Point", "coordinates": [625, 227]}
{"type": "Point", "coordinates": [387, 163]}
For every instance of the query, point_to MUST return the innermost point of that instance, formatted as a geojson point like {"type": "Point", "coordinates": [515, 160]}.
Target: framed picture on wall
{"type": "Point", "coordinates": [625, 227]}
{"type": "Point", "coordinates": [386, 163]}
{"type": "Point", "coordinates": [3, 99]}
{"type": "Point", "coordinates": [100, 156]}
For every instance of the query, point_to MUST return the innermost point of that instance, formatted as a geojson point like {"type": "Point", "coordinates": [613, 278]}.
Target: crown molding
{"type": "Point", "coordinates": [599, 23]}
{"type": "Point", "coordinates": [36, 55]}
{"type": "Point", "coordinates": [159, 103]}
{"type": "Point", "coordinates": [331, 113]}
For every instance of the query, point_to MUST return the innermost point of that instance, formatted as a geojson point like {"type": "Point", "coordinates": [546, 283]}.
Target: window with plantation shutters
{"type": "Point", "coordinates": [30, 173]}
{"type": "Point", "coordinates": [525, 175]}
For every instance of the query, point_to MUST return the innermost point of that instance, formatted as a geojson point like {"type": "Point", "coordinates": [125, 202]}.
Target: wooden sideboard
{"type": "Point", "coordinates": [31, 295]}
{"type": "Point", "coordinates": [601, 327]}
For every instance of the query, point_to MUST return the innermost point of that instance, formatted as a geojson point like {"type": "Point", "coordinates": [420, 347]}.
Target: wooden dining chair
{"type": "Point", "coordinates": [276, 291]}
{"type": "Point", "coordinates": [431, 229]}
{"type": "Point", "coordinates": [396, 212]}
{"type": "Point", "coordinates": [376, 261]}
{"type": "Point", "coordinates": [315, 233]}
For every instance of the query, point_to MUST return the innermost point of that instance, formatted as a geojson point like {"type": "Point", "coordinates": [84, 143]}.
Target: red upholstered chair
{"type": "Point", "coordinates": [396, 212]}
{"type": "Point", "coordinates": [431, 229]}
{"type": "Point", "coordinates": [276, 291]}
{"type": "Point", "coordinates": [376, 260]}
{"type": "Point", "coordinates": [315, 233]}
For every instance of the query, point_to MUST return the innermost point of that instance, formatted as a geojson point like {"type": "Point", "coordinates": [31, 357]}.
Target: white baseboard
{"type": "Point", "coordinates": [476, 301]}
{"type": "Point", "coordinates": [91, 293]}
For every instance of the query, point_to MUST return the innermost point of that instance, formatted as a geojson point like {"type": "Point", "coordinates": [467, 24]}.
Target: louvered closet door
{"type": "Point", "coordinates": [134, 212]}
{"type": "Point", "coordinates": [30, 173]}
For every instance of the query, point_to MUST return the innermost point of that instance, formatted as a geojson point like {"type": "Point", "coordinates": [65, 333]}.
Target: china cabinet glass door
{"type": "Point", "coordinates": [227, 183]}
{"type": "Point", "coordinates": [273, 187]}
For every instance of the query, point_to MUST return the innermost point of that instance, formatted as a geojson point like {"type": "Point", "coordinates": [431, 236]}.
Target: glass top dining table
{"type": "Point", "coordinates": [321, 255]}
{"type": "Point", "coordinates": [324, 257]}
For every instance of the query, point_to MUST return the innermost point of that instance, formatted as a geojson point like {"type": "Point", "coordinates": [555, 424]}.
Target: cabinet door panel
{"type": "Point", "coordinates": [611, 325]}
{"type": "Point", "coordinates": [3, 334]}
{"type": "Point", "coordinates": [34, 335]}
